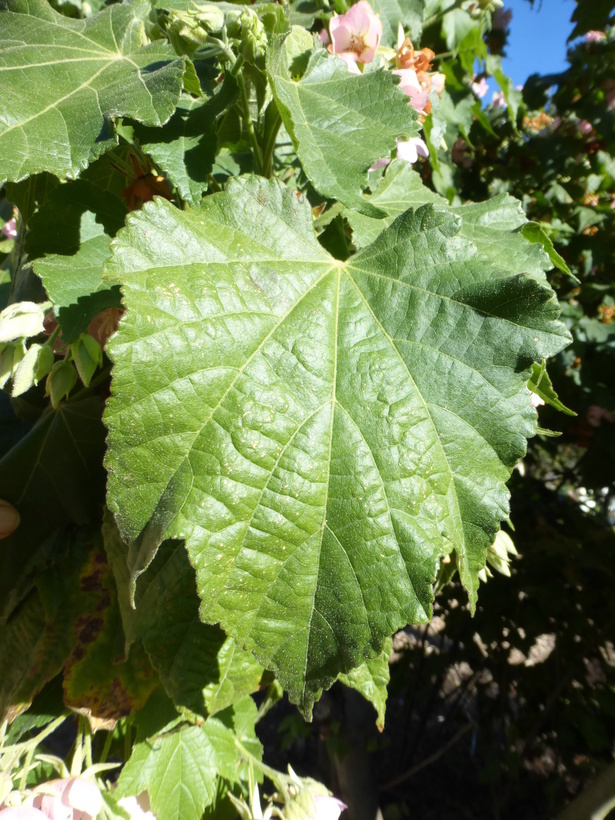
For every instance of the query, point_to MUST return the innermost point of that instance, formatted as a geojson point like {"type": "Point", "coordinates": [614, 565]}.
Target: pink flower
{"type": "Point", "coordinates": [411, 86]}
{"type": "Point", "coordinates": [356, 33]}
{"type": "Point", "coordinates": [323, 36]}
{"type": "Point", "coordinates": [410, 150]}
{"type": "Point", "coordinates": [10, 229]}
{"type": "Point", "coordinates": [596, 415]}
{"type": "Point", "coordinates": [535, 400]}
{"type": "Point", "coordinates": [480, 88]}
{"type": "Point", "coordinates": [609, 94]}
{"type": "Point", "coordinates": [498, 100]}
{"type": "Point", "coordinates": [382, 163]}
{"type": "Point", "coordinates": [74, 798]}
{"type": "Point", "coordinates": [437, 82]}
{"type": "Point", "coordinates": [327, 808]}
{"type": "Point", "coordinates": [351, 63]}
{"type": "Point", "coordinates": [138, 808]}
{"type": "Point", "coordinates": [21, 813]}
{"type": "Point", "coordinates": [594, 37]}
{"type": "Point", "coordinates": [460, 153]}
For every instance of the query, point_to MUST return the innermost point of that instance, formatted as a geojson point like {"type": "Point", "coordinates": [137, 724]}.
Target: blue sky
{"type": "Point", "coordinates": [537, 40]}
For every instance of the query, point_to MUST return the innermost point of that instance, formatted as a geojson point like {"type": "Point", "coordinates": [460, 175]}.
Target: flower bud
{"type": "Point", "coordinates": [60, 381]}
{"type": "Point", "coordinates": [210, 17]}
{"type": "Point", "coordinates": [10, 357]}
{"type": "Point", "coordinates": [24, 373]}
{"type": "Point", "coordinates": [87, 356]}
{"type": "Point", "coordinates": [21, 320]}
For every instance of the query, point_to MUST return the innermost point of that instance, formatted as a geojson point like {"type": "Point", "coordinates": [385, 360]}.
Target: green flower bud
{"type": "Point", "coordinates": [186, 34]}
{"type": "Point", "coordinates": [21, 320]}
{"type": "Point", "coordinates": [245, 26]}
{"type": "Point", "coordinates": [24, 374]}
{"type": "Point", "coordinates": [10, 357]}
{"type": "Point", "coordinates": [210, 17]}
{"type": "Point", "coordinates": [87, 356]}
{"type": "Point", "coordinates": [60, 381]}
{"type": "Point", "coordinates": [44, 364]}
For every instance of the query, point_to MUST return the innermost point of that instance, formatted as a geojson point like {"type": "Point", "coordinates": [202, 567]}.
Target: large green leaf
{"type": "Point", "coordinates": [180, 769]}
{"type": "Point", "coordinates": [64, 80]}
{"type": "Point", "coordinates": [340, 123]}
{"type": "Point", "coordinates": [318, 432]}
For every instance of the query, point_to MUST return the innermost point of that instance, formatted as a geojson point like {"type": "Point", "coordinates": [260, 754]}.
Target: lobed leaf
{"type": "Point", "coordinates": [340, 123]}
{"type": "Point", "coordinates": [64, 80]}
{"type": "Point", "coordinates": [495, 227]}
{"type": "Point", "coordinates": [180, 769]}
{"type": "Point", "coordinates": [319, 433]}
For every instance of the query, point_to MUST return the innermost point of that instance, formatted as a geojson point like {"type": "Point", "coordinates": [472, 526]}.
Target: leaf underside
{"type": "Point", "coordinates": [318, 433]}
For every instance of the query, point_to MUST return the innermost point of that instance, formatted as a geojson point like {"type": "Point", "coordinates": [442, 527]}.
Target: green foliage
{"type": "Point", "coordinates": [60, 119]}
{"type": "Point", "coordinates": [273, 414]}
{"type": "Point", "coordinates": [179, 767]}
{"type": "Point", "coordinates": [369, 112]}
{"type": "Point", "coordinates": [318, 388]}
{"type": "Point", "coordinates": [371, 679]}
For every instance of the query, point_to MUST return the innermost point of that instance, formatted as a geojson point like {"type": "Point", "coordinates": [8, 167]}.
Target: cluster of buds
{"type": "Point", "coordinates": [206, 24]}
{"type": "Point", "coordinates": [25, 362]}
{"type": "Point", "coordinates": [191, 29]}
{"type": "Point", "coordinates": [244, 26]}
{"type": "Point", "coordinates": [481, 6]}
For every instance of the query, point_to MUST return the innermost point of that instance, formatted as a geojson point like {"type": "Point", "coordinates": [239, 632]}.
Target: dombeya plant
{"type": "Point", "coordinates": [306, 372]}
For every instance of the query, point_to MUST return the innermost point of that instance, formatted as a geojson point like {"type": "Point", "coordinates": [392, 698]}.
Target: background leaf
{"type": "Point", "coordinates": [340, 123]}
{"type": "Point", "coordinates": [185, 148]}
{"type": "Point", "coordinates": [54, 477]}
{"type": "Point", "coordinates": [180, 769]}
{"type": "Point", "coordinates": [322, 432]}
{"type": "Point", "coordinates": [69, 242]}
{"type": "Point", "coordinates": [407, 12]}
{"type": "Point", "coordinates": [98, 677]}
{"type": "Point", "coordinates": [38, 638]}
{"type": "Point", "coordinates": [62, 88]}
